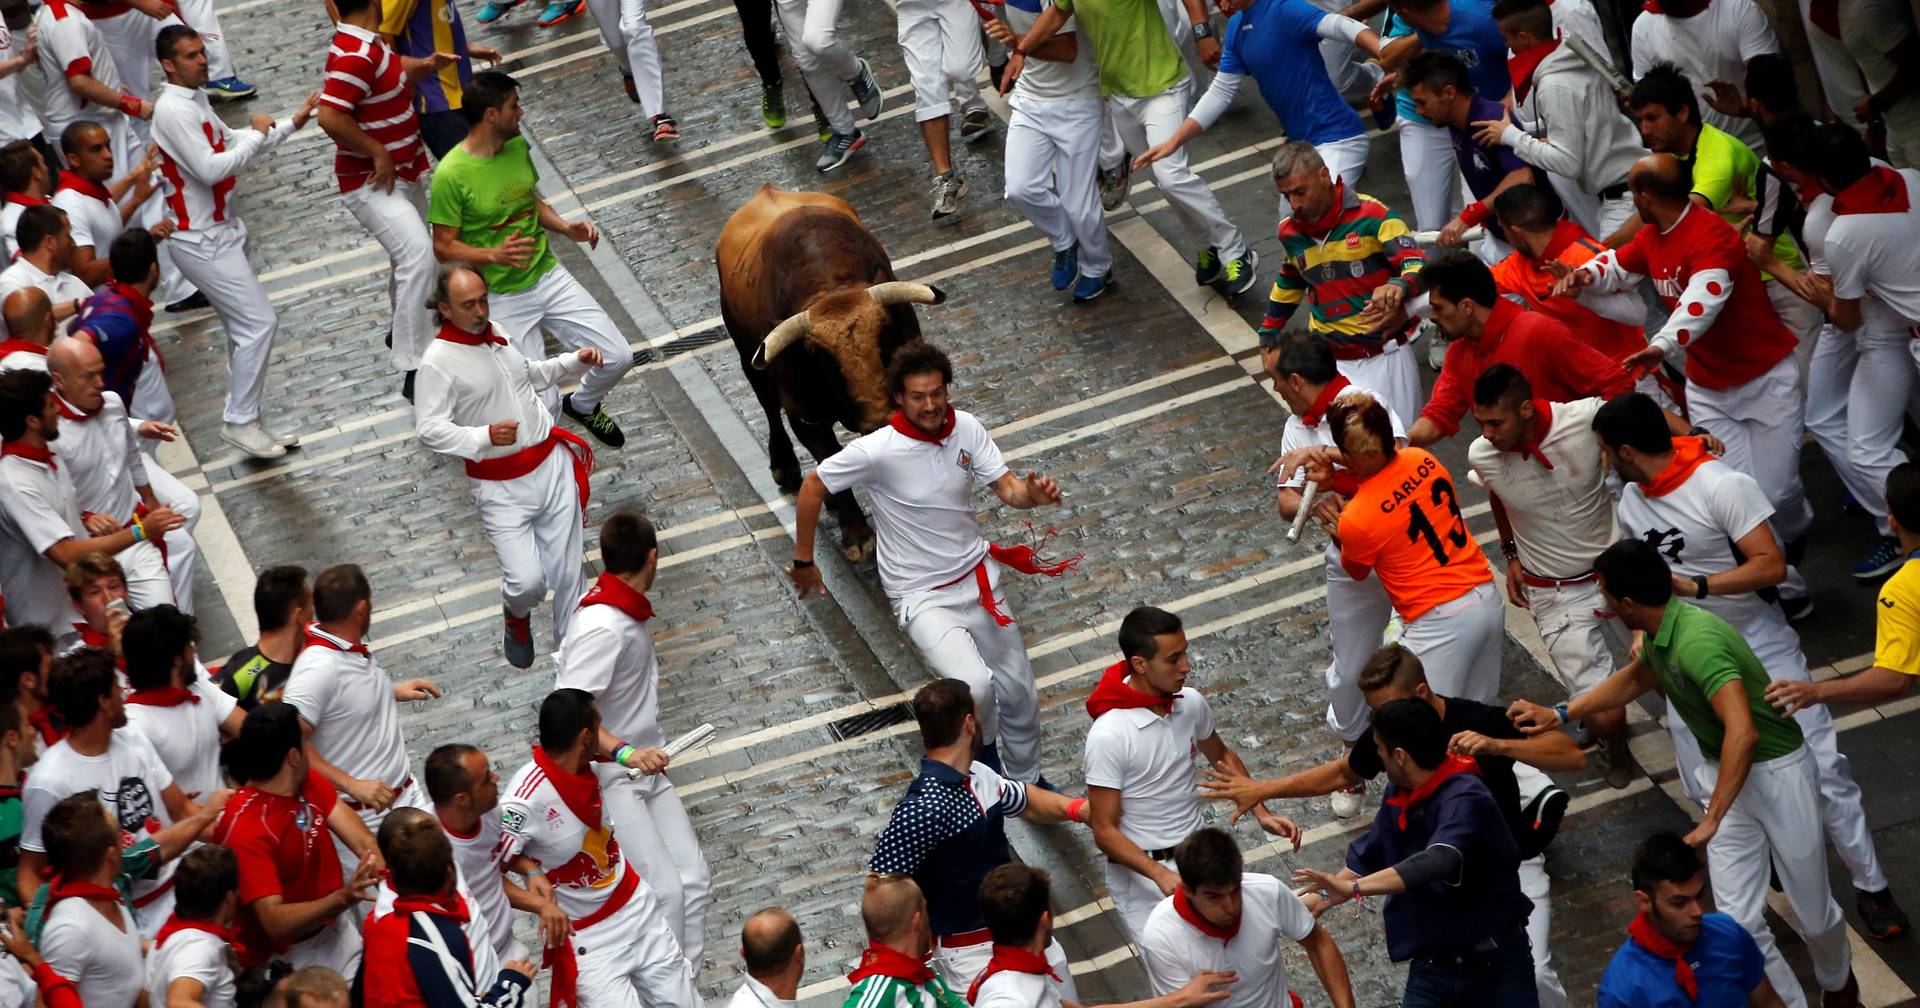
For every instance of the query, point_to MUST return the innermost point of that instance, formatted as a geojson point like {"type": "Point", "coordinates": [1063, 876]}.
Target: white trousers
{"type": "Point", "coordinates": [826, 65]}
{"type": "Point", "coordinates": [146, 574]}
{"type": "Point", "coordinates": [1050, 175]}
{"type": "Point", "coordinates": [558, 304]}
{"type": "Point", "coordinates": [1426, 158]}
{"type": "Point", "coordinates": [337, 947]}
{"type": "Point", "coordinates": [1536, 886]}
{"type": "Point", "coordinates": [1134, 895]}
{"type": "Point", "coordinates": [1774, 824]}
{"type": "Point", "coordinates": [625, 32]}
{"type": "Point", "coordinates": [183, 553]}
{"type": "Point", "coordinates": [940, 40]}
{"type": "Point", "coordinates": [959, 639]}
{"type": "Point", "coordinates": [1857, 389]}
{"type": "Point", "coordinates": [201, 17]}
{"type": "Point", "coordinates": [1458, 643]}
{"type": "Point", "coordinates": [960, 966]}
{"type": "Point", "coordinates": [534, 525]}
{"type": "Point", "coordinates": [1393, 375]}
{"type": "Point", "coordinates": [1346, 159]}
{"type": "Point", "coordinates": [658, 838]}
{"type": "Point", "coordinates": [1613, 213]}
{"type": "Point", "coordinates": [1145, 122]}
{"type": "Point", "coordinates": [632, 960]}
{"type": "Point", "coordinates": [1575, 634]}
{"type": "Point", "coordinates": [398, 221]}
{"type": "Point", "coordinates": [1760, 422]}
{"type": "Point", "coordinates": [1357, 615]}
{"type": "Point", "coordinates": [215, 261]}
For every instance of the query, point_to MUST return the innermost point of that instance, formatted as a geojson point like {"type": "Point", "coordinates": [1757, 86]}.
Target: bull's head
{"type": "Point", "coordinates": [848, 325]}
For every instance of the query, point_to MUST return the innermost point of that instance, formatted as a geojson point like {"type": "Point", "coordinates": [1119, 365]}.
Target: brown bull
{"type": "Point", "coordinates": [810, 299]}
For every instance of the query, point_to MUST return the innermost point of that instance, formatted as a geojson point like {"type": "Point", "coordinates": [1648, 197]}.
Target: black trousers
{"type": "Point", "coordinates": [756, 25]}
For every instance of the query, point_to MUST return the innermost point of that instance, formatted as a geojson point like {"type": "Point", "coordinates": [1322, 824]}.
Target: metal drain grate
{"type": "Point", "coordinates": [870, 722]}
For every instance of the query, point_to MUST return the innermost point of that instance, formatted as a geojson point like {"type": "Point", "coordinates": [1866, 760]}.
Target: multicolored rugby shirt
{"type": "Point", "coordinates": [1334, 265]}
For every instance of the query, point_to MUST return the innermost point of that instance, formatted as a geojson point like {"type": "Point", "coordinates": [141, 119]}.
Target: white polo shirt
{"type": "Point", "coordinates": [921, 495]}
{"type": "Point", "coordinates": [348, 699]}
{"type": "Point", "coordinates": [103, 961]}
{"type": "Point", "coordinates": [1561, 510]}
{"type": "Point", "coordinates": [131, 779]}
{"type": "Point", "coordinates": [36, 511]}
{"type": "Point", "coordinates": [61, 288]}
{"type": "Point", "coordinates": [1009, 989]}
{"type": "Point", "coordinates": [191, 955]}
{"type": "Point", "coordinates": [1269, 911]}
{"type": "Point", "coordinates": [477, 855]}
{"type": "Point", "coordinates": [754, 994]}
{"type": "Point", "coordinates": [1149, 760]}
{"type": "Point", "coordinates": [102, 456]}
{"type": "Point", "coordinates": [1714, 44]}
{"type": "Point", "coordinates": [187, 735]}
{"type": "Point", "coordinates": [1695, 526]}
{"type": "Point", "coordinates": [1873, 256]}
{"type": "Point", "coordinates": [610, 655]}
{"type": "Point", "coordinates": [91, 215]}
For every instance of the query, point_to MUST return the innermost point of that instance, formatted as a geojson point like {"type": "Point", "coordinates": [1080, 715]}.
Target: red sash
{"type": "Point", "coordinates": [560, 959]}
{"type": "Point", "coordinates": [1020, 558]}
{"type": "Point", "coordinates": [528, 459]}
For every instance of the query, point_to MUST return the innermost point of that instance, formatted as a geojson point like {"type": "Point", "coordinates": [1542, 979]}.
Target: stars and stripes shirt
{"type": "Point", "coordinates": [364, 80]}
{"type": "Point", "coordinates": [948, 833]}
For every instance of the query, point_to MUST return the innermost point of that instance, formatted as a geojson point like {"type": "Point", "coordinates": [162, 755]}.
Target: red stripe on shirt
{"type": "Point", "coordinates": [222, 187]}
{"type": "Point", "coordinates": [365, 80]}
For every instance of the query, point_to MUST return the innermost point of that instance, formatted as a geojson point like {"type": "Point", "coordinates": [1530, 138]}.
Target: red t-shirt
{"type": "Point", "coordinates": [1746, 340]}
{"type": "Point", "coordinates": [364, 80]}
{"type": "Point", "coordinates": [1558, 364]}
{"type": "Point", "coordinates": [284, 849]}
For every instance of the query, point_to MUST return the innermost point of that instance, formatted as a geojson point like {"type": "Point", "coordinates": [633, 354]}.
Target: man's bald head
{"type": "Point", "coordinates": [1661, 176]}
{"type": "Point", "coordinates": [768, 942]}
{"type": "Point", "coordinates": [70, 356]}
{"type": "Point", "coordinates": [29, 315]}
{"type": "Point", "coordinates": [889, 907]}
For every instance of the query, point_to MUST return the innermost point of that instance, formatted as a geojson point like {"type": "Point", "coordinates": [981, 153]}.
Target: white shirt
{"type": "Point", "coordinates": [95, 222]}
{"type": "Point", "coordinates": [921, 496]}
{"type": "Point", "coordinates": [1297, 434]}
{"type": "Point", "coordinates": [460, 390]}
{"type": "Point", "coordinates": [199, 157]}
{"type": "Point", "coordinates": [23, 359]}
{"type": "Point", "coordinates": [36, 511]}
{"type": "Point", "coordinates": [1053, 80]}
{"type": "Point", "coordinates": [478, 858]}
{"type": "Point", "coordinates": [130, 777]}
{"type": "Point", "coordinates": [1714, 44]}
{"type": "Point", "coordinates": [754, 994]}
{"type": "Point", "coordinates": [17, 119]}
{"type": "Point", "coordinates": [191, 955]}
{"type": "Point", "coordinates": [60, 287]}
{"type": "Point", "coordinates": [1008, 989]}
{"type": "Point", "coordinates": [10, 223]}
{"type": "Point", "coordinates": [1175, 950]}
{"type": "Point", "coordinates": [101, 455]}
{"type": "Point", "coordinates": [1695, 526]}
{"type": "Point", "coordinates": [70, 43]}
{"type": "Point", "coordinates": [586, 866]}
{"type": "Point", "coordinates": [103, 961]}
{"type": "Point", "coordinates": [1873, 256]}
{"type": "Point", "coordinates": [1149, 760]}
{"type": "Point", "coordinates": [187, 735]}
{"type": "Point", "coordinates": [1562, 517]}
{"type": "Point", "coordinates": [348, 699]}
{"type": "Point", "coordinates": [610, 655]}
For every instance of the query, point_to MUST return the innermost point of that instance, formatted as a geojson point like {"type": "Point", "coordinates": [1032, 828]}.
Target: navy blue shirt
{"type": "Point", "coordinates": [1727, 966]}
{"type": "Point", "coordinates": [948, 833]}
{"type": "Point", "coordinates": [1451, 915]}
{"type": "Point", "coordinates": [1473, 37]}
{"type": "Point", "coordinates": [1275, 43]}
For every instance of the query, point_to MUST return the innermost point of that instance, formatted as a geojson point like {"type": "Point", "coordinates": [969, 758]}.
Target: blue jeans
{"type": "Point", "coordinates": [1498, 978]}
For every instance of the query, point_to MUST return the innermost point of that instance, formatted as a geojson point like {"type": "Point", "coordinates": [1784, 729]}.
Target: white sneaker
{"type": "Point", "coordinates": [1347, 801]}
{"type": "Point", "coordinates": [253, 439]}
{"type": "Point", "coordinates": [1436, 345]}
{"type": "Point", "coordinates": [1391, 635]}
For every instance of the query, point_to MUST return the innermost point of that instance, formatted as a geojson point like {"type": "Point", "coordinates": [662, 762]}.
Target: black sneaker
{"type": "Point", "coordinates": [597, 423]}
{"type": "Point", "coordinates": [1884, 917]}
{"type": "Point", "coordinates": [517, 639]}
{"type": "Point", "coordinates": [1796, 609]}
{"type": "Point", "coordinates": [406, 386]}
{"type": "Point", "coordinates": [1242, 273]}
{"type": "Point", "coordinates": [1208, 267]}
{"type": "Point", "coordinates": [192, 302]}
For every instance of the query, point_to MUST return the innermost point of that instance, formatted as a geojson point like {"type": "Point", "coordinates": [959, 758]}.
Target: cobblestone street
{"type": "Point", "coordinates": [1142, 405]}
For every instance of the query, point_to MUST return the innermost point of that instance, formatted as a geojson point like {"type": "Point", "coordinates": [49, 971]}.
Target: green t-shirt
{"type": "Point", "coordinates": [1722, 164]}
{"type": "Point", "coordinates": [1695, 653]}
{"type": "Point", "coordinates": [491, 200]}
{"type": "Point", "coordinates": [1131, 44]}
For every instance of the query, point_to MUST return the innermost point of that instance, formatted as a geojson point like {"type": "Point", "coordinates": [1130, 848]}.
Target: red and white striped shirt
{"type": "Point", "coordinates": [199, 157]}
{"type": "Point", "coordinates": [365, 81]}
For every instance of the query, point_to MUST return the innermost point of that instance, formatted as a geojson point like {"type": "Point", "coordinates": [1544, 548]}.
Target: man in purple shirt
{"type": "Point", "coordinates": [1443, 93]}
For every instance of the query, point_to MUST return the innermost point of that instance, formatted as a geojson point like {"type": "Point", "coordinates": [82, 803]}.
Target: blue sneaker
{"type": "Point", "coordinates": [1091, 287]}
{"type": "Point", "coordinates": [494, 9]}
{"type": "Point", "coordinates": [560, 10]}
{"type": "Point", "coordinates": [1884, 558]}
{"type": "Point", "coordinates": [1042, 783]}
{"type": "Point", "coordinates": [228, 89]}
{"type": "Point", "coordinates": [1066, 266]}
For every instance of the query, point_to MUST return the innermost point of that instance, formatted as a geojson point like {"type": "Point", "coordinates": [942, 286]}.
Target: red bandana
{"type": "Point", "coordinates": [1881, 190]}
{"type": "Point", "coordinates": [163, 696]}
{"type": "Point", "coordinates": [13, 346]}
{"type": "Point", "coordinates": [900, 423]}
{"type": "Point", "coordinates": [1022, 559]}
{"type": "Point", "coordinates": [451, 905]}
{"type": "Point", "coordinates": [141, 304]}
{"type": "Point", "coordinates": [1324, 401]}
{"type": "Point", "coordinates": [316, 640]}
{"type": "Point", "coordinates": [1183, 906]}
{"type": "Point", "coordinates": [1520, 66]}
{"type": "Point", "coordinates": [1542, 420]}
{"type": "Point", "coordinates": [454, 334]}
{"type": "Point", "coordinates": [87, 187]}
{"type": "Point", "coordinates": [89, 637]}
{"type": "Point", "coordinates": [1825, 15]}
{"type": "Point", "coordinates": [175, 925]}
{"type": "Point", "coordinates": [880, 960]}
{"type": "Point", "coordinates": [1454, 766]}
{"type": "Point", "coordinates": [72, 412]}
{"type": "Point", "coordinates": [59, 888]}
{"type": "Point", "coordinates": [1643, 934]}
{"type": "Point", "coordinates": [1011, 959]}
{"type": "Point", "coordinates": [22, 199]}
{"type": "Point", "coordinates": [580, 791]}
{"type": "Point", "coordinates": [47, 723]}
{"type": "Point", "coordinates": [30, 453]}
{"type": "Point", "coordinates": [1113, 693]}
{"type": "Point", "coordinates": [1689, 453]}
{"type": "Point", "coordinates": [1653, 7]}
{"type": "Point", "coordinates": [610, 590]}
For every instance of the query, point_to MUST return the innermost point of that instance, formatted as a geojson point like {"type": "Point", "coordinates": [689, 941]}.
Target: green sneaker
{"type": "Point", "coordinates": [1242, 272]}
{"type": "Point", "coordinates": [773, 106]}
{"type": "Point", "coordinates": [1206, 269]}
{"type": "Point", "coordinates": [597, 423]}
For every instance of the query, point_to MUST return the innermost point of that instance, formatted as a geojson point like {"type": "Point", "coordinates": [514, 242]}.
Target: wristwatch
{"type": "Point", "coordinates": [1699, 586]}
{"type": "Point", "coordinates": [1202, 30]}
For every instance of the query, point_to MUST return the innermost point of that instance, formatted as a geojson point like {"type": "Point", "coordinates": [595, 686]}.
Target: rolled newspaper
{"type": "Point", "coordinates": [692, 740]}
{"type": "Point", "coordinates": [1300, 516]}
{"type": "Point", "coordinates": [1472, 234]}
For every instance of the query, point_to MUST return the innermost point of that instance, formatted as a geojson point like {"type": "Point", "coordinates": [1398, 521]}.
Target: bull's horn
{"type": "Point", "coordinates": [895, 292]}
{"type": "Point", "coordinates": [780, 338]}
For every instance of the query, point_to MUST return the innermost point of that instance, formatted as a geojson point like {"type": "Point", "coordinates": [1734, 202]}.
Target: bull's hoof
{"type": "Point", "coordinates": [859, 548]}
{"type": "Point", "coordinates": [787, 478]}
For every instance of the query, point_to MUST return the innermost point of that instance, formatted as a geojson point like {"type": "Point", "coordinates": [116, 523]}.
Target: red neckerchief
{"type": "Point", "coordinates": [1332, 216]}
{"type": "Point", "coordinates": [72, 412]}
{"type": "Point", "coordinates": [89, 637]}
{"type": "Point", "coordinates": [1010, 959]}
{"type": "Point", "coordinates": [1324, 401]}
{"type": "Point", "coordinates": [898, 421]}
{"type": "Point", "coordinates": [60, 888]}
{"type": "Point", "coordinates": [1113, 693]}
{"type": "Point", "coordinates": [580, 791]}
{"type": "Point", "coordinates": [141, 304]}
{"type": "Point", "coordinates": [175, 925]}
{"type": "Point", "coordinates": [1825, 15]}
{"type": "Point", "coordinates": [1542, 420]}
{"type": "Point", "coordinates": [11, 346]}
{"type": "Point", "coordinates": [1642, 932]}
{"type": "Point", "coordinates": [608, 589]}
{"type": "Point", "coordinates": [880, 960]}
{"type": "Point", "coordinates": [85, 187]}
{"type": "Point", "coordinates": [1183, 905]}
{"type": "Point", "coordinates": [1688, 454]}
{"type": "Point", "coordinates": [163, 696]}
{"type": "Point", "coordinates": [47, 723]}
{"type": "Point", "coordinates": [1653, 7]}
{"type": "Point", "coordinates": [1521, 65]}
{"type": "Point", "coordinates": [451, 905]}
{"type": "Point", "coordinates": [22, 199]}
{"type": "Point", "coordinates": [454, 334]}
{"type": "Point", "coordinates": [1453, 766]}
{"type": "Point", "coordinates": [30, 453]}
{"type": "Point", "coordinates": [1881, 190]}
{"type": "Point", "coordinates": [315, 640]}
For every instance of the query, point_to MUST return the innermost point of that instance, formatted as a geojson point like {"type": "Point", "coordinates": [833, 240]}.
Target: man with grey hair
{"type": "Point", "coordinates": [775, 957]}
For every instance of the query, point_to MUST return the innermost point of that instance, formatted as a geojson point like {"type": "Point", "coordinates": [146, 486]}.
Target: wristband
{"type": "Point", "coordinates": [1699, 586]}
{"type": "Point", "coordinates": [1696, 431]}
{"type": "Point", "coordinates": [1358, 896]}
{"type": "Point", "coordinates": [1475, 213]}
{"type": "Point", "coordinates": [1202, 30]}
{"type": "Point", "coordinates": [1077, 810]}
{"type": "Point", "coordinates": [139, 531]}
{"type": "Point", "coordinates": [1017, 51]}
{"type": "Point", "coordinates": [620, 755]}
{"type": "Point", "coordinates": [1560, 711]}
{"type": "Point", "coordinates": [130, 104]}
{"type": "Point", "coordinates": [799, 564]}
{"type": "Point", "coordinates": [1510, 550]}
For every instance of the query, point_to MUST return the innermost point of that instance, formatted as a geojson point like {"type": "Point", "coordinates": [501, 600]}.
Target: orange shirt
{"type": "Point", "coordinates": [1529, 281]}
{"type": "Point", "coordinates": [1405, 523]}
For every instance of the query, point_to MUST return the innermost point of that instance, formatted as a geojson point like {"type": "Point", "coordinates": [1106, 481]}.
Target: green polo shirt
{"type": "Point", "coordinates": [1695, 653]}
{"type": "Point", "coordinates": [1131, 45]}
